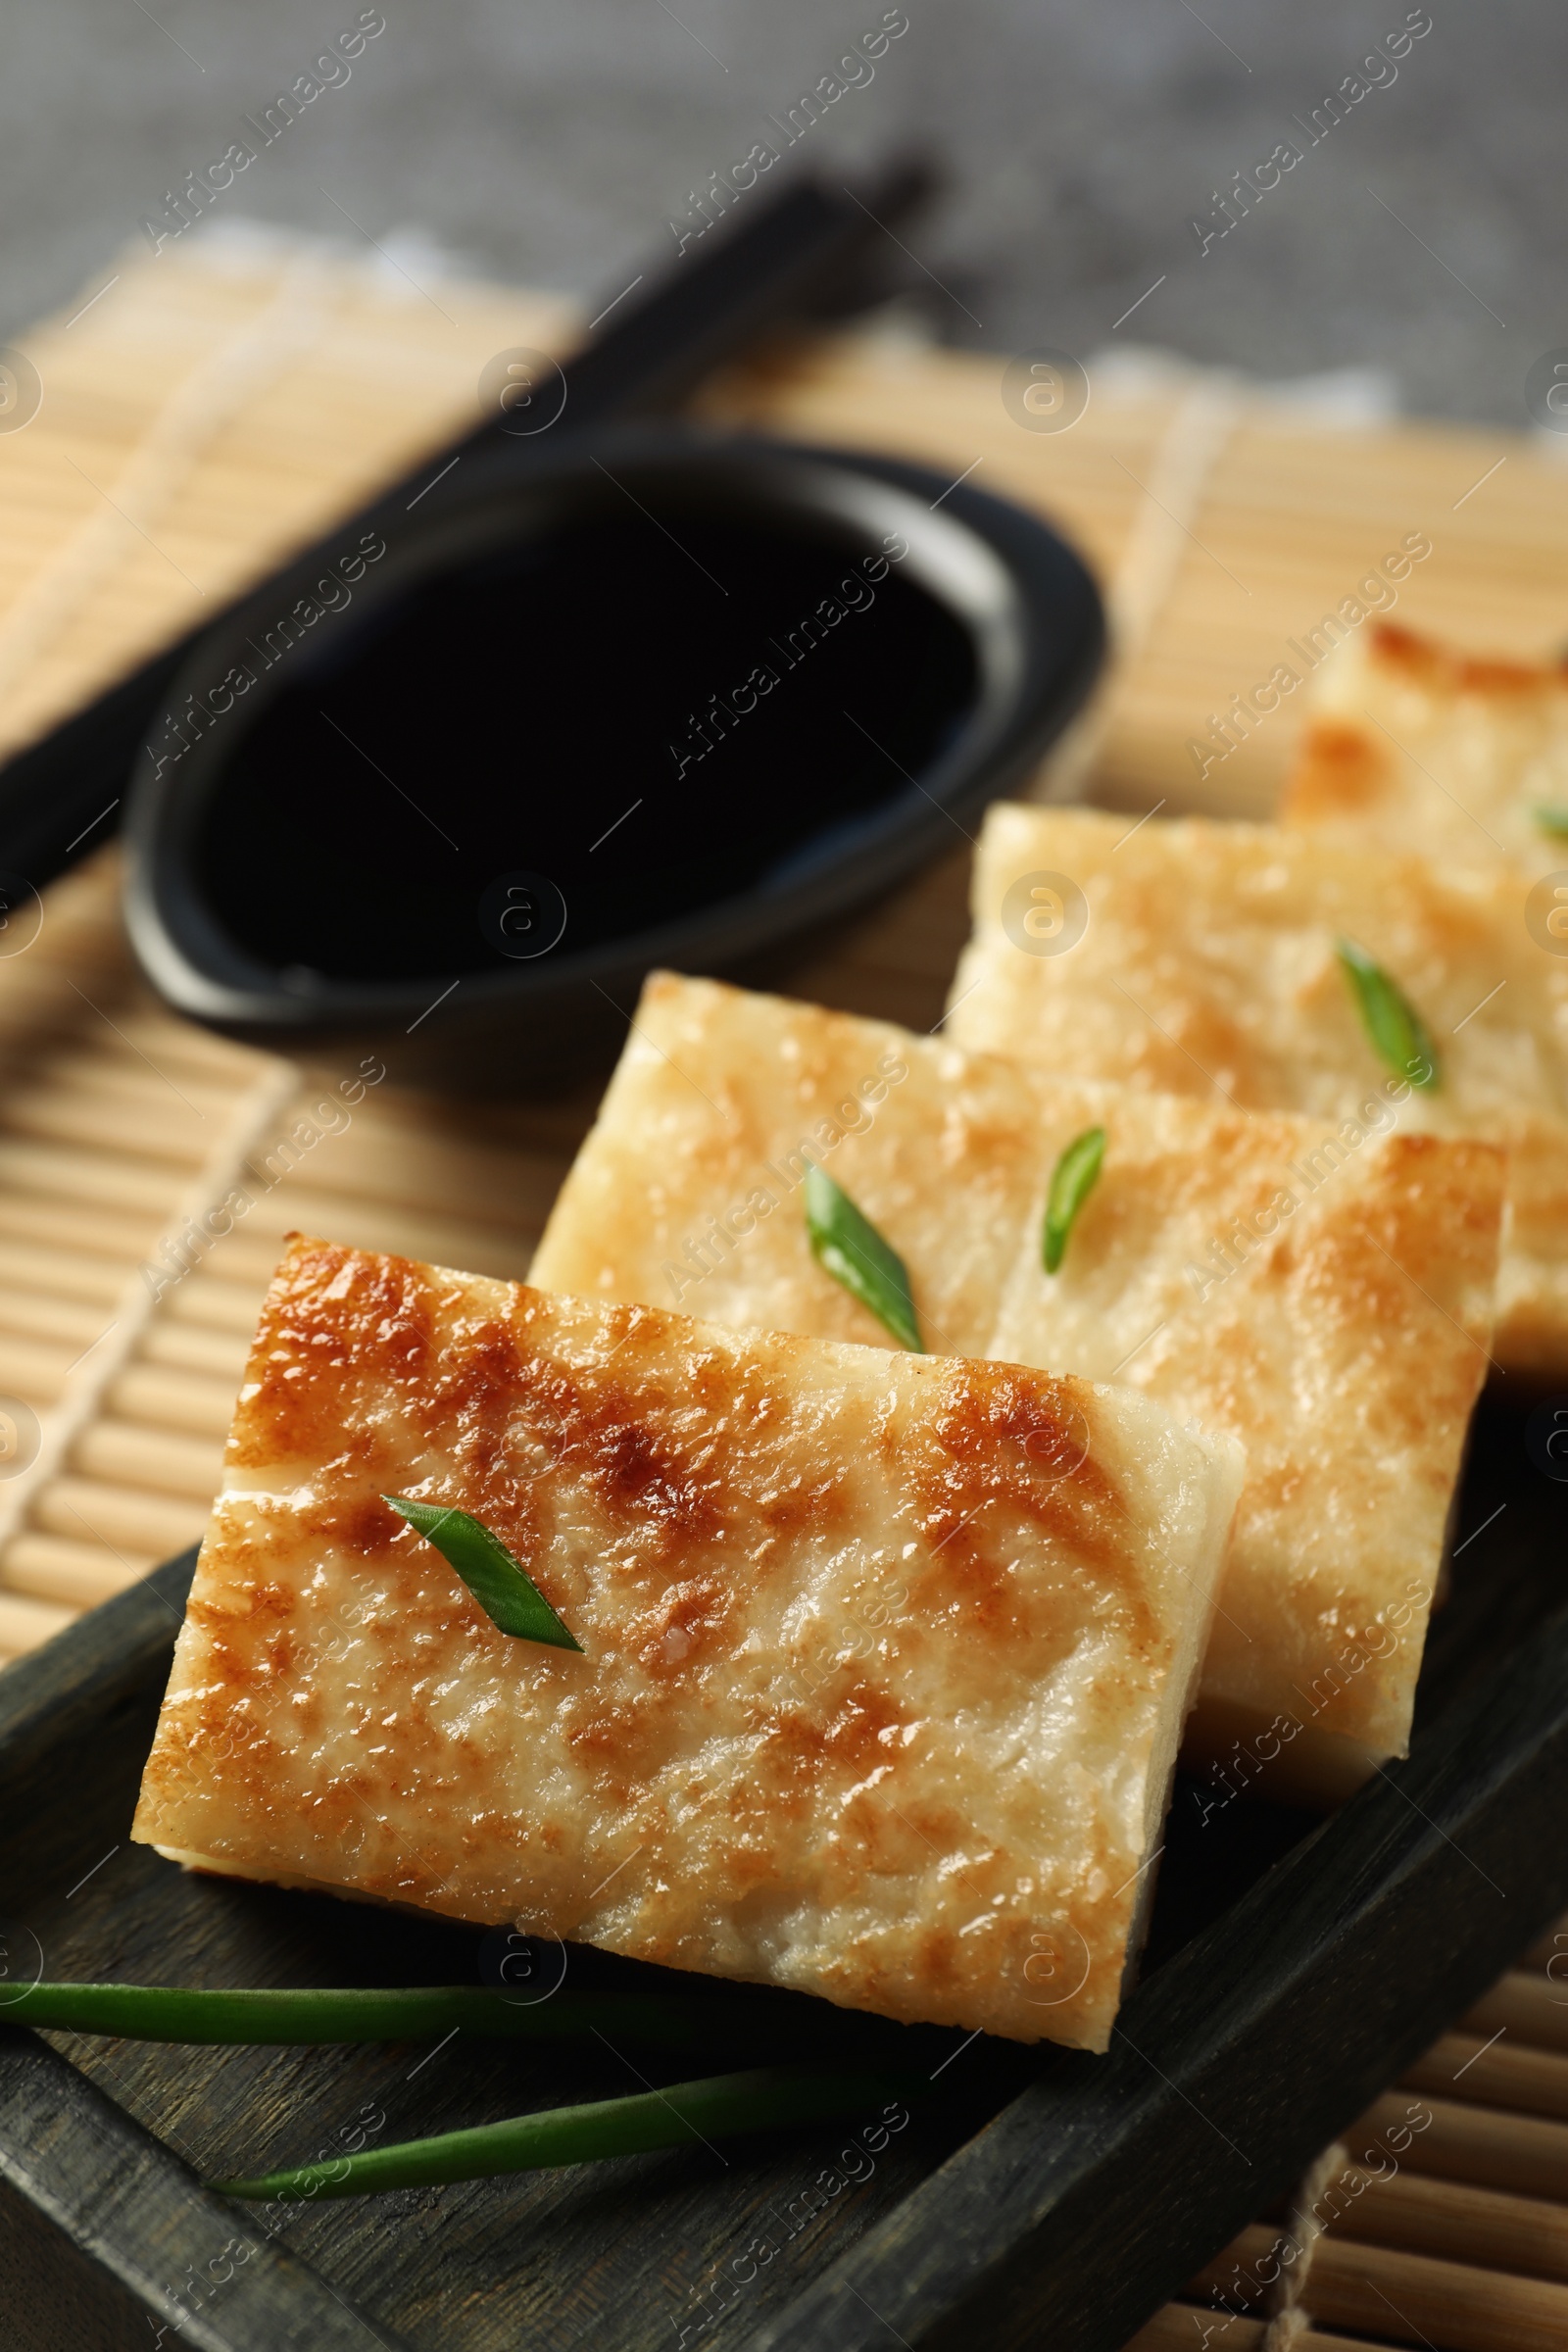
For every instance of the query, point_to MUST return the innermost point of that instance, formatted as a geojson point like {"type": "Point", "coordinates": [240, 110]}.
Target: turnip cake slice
{"type": "Point", "coordinates": [1331, 1309]}
{"type": "Point", "coordinates": [1413, 747]}
{"type": "Point", "coordinates": [884, 1659]}
{"type": "Point", "coordinates": [1208, 959]}
{"type": "Point", "coordinates": [1327, 1304]}
{"type": "Point", "coordinates": [688, 1191]}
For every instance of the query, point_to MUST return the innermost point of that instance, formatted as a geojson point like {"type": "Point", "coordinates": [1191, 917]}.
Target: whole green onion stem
{"type": "Point", "coordinates": [717, 2107]}
{"type": "Point", "coordinates": [170, 2013]}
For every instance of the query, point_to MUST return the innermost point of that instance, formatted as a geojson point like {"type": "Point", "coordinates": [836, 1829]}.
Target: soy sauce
{"type": "Point", "coordinates": [653, 712]}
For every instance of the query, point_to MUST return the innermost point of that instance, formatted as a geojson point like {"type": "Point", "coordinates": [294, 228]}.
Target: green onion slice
{"type": "Point", "coordinates": [1397, 1030]}
{"type": "Point", "coordinates": [505, 1591]}
{"type": "Point", "coordinates": [1072, 1180]}
{"type": "Point", "coordinates": [1552, 817]}
{"type": "Point", "coordinates": [849, 1246]}
{"type": "Point", "coordinates": [759, 2100]}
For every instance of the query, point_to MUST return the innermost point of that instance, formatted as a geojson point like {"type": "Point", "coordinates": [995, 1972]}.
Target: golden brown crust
{"type": "Point", "coordinates": [1210, 967]}
{"type": "Point", "coordinates": [1415, 747]}
{"type": "Point", "coordinates": [1342, 1337]}
{"type": "Point", "coordinates": [870, 1700]}
{"type": "Point", "coordinates": [1443, 669]}
{"type": "Point", "coordinates": [1341, 771]}
{"type": "Point", "coordinates": [688, 1192]}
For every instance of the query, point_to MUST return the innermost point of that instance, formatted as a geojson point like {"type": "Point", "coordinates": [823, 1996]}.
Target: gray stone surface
{"type": "Point", "coordinates": [553, 142]}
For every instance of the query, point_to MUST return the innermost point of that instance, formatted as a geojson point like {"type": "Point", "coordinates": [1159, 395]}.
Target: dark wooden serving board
{"type": "Point", "coordinates": [1295, 1969]}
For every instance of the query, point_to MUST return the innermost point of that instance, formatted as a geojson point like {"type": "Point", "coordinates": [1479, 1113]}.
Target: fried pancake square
{"type": "Point", "coordinates": [687, 1191]}
{"type": "Point", "coordinates": [1329, 1305]}
{"type": "Point", "coordinates": [1412, 745]}
{"type": "Point", "coordinates": [1331, 1313]}
{"type": "Point", "coordinates": [885, 1665]}
{"type": "Point", "coordinates": [1208, 967]}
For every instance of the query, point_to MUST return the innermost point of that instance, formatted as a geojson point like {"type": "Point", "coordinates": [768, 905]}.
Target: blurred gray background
{"type": "Point", "coordinates": [550, 141]}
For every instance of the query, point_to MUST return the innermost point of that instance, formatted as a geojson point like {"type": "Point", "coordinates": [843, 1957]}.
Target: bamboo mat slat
{"type": "Point", "coordinates": [217, 408]}
{"type": "Point", "coordinates": [215, 411]}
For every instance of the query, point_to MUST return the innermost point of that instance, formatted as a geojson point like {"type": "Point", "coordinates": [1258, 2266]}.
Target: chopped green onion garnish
{"type": "Point", "coordinates": [1072, 1180]}
{"type": "Point", "coordinates": [1392, 1022]}
{"type": "Point", "coordinates": [684, 2114]}
{"type": "Point", "coordinates": [849, 1246]}
{"type": "Point", "coordinates": [1552, 818]}
{"type": "Point", "coordinates": [504, 1591]}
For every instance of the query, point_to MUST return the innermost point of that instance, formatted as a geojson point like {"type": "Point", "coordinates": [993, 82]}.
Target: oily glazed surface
{"type": "Point", "coordinates": [1342, 1337]}
{"type": "Point", "coordinates": [885, 1657]}
{"type": "Point", "coordinates": [1209, 967]}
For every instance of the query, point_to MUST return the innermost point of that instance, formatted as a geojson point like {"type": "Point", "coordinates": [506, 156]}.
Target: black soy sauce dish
{"type": "Point", "coordinates": [664, 699]}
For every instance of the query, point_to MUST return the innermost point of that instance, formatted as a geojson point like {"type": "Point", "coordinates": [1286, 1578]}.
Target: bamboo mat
{"type": "Point", "coordinates": [1441, 2219]}
{"type": "Point", "coordinates": [217, 406]}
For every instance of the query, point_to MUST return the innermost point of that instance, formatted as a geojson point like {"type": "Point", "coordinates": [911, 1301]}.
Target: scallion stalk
{"type": "Point", "coordinates": [714, 2108]}
{"type": "Point", "coordinates": [300, 2015]}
